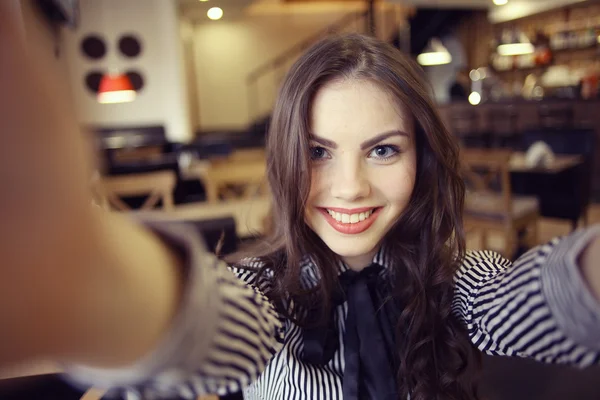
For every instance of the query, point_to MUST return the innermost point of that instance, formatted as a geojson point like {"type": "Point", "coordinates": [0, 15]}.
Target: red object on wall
{"type": "Point", "coordinates": [114, 83]}
{"type": "Point", "coordinates": [115, 89]}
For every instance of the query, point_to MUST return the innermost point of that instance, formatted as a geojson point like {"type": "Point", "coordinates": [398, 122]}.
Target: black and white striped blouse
{"type": "Point", "coordinates": [228, 337]}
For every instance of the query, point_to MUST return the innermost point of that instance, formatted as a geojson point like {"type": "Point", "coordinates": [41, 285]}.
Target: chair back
{"type": "Point", "coordinates": [240, 176]}
{"type": "Point", "coordinates": [158, 186]}
{"type": "Point", "coordinates": [487, 177]}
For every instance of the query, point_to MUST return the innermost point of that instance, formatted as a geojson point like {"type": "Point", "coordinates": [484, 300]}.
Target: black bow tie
{"type": "Point", "coordinates": [368, 340]}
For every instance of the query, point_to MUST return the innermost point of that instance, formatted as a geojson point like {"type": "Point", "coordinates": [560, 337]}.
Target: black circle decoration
{"type": "Point", "coordinates": [92, 80]}
{"type": "Point", "coordinates": [137, 80]}
{"type": "Point", "coordinates": [130, 46]}
{"type": "Point", "coordinates": [93, 46]}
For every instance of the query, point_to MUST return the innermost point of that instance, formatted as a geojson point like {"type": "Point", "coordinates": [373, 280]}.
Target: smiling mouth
{"type": "Point", "coordinates": [350, 218]}
{"type": "Point", "coordinates": [351, 223]}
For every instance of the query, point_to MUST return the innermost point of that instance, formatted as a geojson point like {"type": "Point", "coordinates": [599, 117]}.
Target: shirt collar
{"type": "Point", "coordinates": [383, 258]}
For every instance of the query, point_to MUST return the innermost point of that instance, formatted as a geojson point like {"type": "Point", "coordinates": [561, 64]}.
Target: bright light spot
{"type": "Point", "coordinates": [482, 72]}
{"type": "Point", "coordinates": [474, 75]}
{"type": "Point", "coordinates": [474, 98]}
{"type": "Point", "coordinates": [434, 58]}
{"type": "Point", "coordinates": [500, 2]}
{"type": "Point", "coordinates": [203, 1]}
{"type": "Point", "coordinates": [120, 96]}
{"type": "Point", "coordinates": [215, 13]}
{"type": "Point", "coordinates": [515, 49]}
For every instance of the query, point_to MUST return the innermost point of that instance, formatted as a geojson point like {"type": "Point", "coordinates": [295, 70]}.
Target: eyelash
{"type": "Point", "coordinates": [395, 151]}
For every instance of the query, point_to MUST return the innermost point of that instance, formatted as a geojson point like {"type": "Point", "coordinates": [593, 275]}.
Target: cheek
{"type": "Point", "coordinates": [395, 183]}
{"type": "Point", "coordinates": [314, 197]}
{"type": "Point", "coordinates": [316, 184]}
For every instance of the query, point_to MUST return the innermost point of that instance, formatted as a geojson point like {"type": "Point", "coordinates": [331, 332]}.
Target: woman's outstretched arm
{"type": "Point", "coordinates": [60, 258]}
{"type": "Point", "coordinates": [543, 306]}
{"type": "Point", "coordinates": [118, 302]}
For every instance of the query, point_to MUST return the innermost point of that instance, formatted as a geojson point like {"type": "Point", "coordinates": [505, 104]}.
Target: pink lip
{"type": "Point", "coordinates": [350, 229]}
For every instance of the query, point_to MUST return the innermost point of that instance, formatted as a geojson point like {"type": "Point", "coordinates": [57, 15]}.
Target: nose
{"type": "Point", "coordinates": [349, 180]}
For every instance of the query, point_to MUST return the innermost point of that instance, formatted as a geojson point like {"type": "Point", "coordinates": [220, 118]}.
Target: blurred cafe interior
{"type": "Point", "coordinates": [177, 94]}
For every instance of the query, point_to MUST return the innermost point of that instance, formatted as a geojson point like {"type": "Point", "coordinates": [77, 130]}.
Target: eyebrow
{"type": "Point", "coordinates": [373, 141]}
{"type": "Point", "coordinates": [364, 145]}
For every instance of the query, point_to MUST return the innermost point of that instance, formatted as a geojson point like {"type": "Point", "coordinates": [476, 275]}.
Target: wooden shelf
{"type": "Point", "coordinates": [576, 49]}
{"type": "Point", "coordinates": [589, 52]}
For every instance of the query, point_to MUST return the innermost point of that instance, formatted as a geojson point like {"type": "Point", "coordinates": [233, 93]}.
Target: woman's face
{"type": "Point", "coordinates": [363, 167]}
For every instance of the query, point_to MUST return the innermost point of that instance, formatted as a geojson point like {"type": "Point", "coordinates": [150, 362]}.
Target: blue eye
{"type": "Point", "coordinates": [318, 153]}
{"type": "Point", "coordinates": [384, 152]}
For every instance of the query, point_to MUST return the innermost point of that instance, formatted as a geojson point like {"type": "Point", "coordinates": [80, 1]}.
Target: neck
{"type": "Point", "coordinates": [360, 262]}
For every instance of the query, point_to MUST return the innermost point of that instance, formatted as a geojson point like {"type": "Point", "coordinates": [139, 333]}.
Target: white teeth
{"type": "Point", "coordinates": [350, 218]}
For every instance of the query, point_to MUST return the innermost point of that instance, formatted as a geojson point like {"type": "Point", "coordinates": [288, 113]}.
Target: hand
{"type": "Point", "coordinates": [77, 284]}
{"type": "Point", "coordinates": [47, 224]}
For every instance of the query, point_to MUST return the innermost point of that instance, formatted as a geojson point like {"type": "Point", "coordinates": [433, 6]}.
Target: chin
{"type": "Point", "coordinates": [350, 251]}
{"type": "Point", "coordinates": [362, 253]}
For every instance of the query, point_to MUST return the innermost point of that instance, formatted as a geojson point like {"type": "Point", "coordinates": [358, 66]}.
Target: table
{"type": "Point", "coordinates": [559, 187]}
{"type": "Point", "coordinates": [561, 163]}
{"type": "Point", "coordinates": [249, 214]}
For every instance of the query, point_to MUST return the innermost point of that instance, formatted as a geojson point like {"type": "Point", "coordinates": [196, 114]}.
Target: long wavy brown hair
{"type": "Point", "coordinates": [436, 358]}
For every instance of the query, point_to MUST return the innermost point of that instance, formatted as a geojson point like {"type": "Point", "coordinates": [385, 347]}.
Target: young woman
{"type": "Point", "coordinates": [363, 291]}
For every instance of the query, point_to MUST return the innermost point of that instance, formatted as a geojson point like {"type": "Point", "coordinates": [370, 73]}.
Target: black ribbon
{"type": "Point", "coordinates": [368, 339]}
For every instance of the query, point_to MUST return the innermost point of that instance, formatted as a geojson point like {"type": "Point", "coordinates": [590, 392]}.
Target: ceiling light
{"type": "Point", "coordinates": [515, 43]}
{"type": "Point", "coordinates": [515, 49]}
{"type": "Point", "coordinates": [203, 1]}
{"type": "Point", "coordinates": [215, 13]}
{"type": "Point", "coordinates": [434, 54]}
{"type": "Point", "coordinates": [474, 98]}
{"type": "Point", "coordinates": [500, 2]}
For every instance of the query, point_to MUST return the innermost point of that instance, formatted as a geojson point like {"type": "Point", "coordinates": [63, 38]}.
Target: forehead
{"type": "Point", "coordinates": [353, 109]}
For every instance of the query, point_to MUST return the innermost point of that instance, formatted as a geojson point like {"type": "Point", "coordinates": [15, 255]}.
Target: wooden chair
{"type": "Point", "coordinates": [158, 186]}
{"type": "Point", "coordinates": [242, 179]}
{"type": "Point", "coordinates": [489, 203]}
